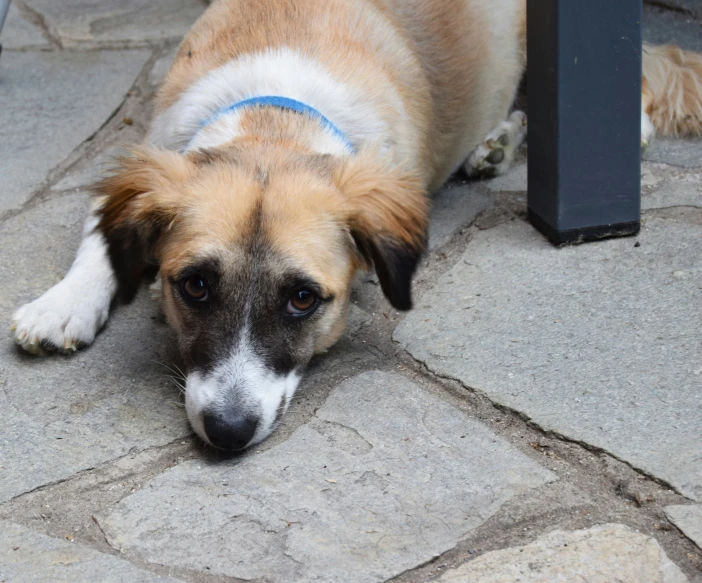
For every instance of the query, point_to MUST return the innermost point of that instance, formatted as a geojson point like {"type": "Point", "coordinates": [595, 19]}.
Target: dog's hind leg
{"type": "Point", "coordinates": [495, 154]}
{"type": "Point", "coordinates": [69, 315]}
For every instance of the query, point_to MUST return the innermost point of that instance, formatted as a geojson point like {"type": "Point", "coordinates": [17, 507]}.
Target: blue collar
{"type": "Point", "coordinates": [282, 103]}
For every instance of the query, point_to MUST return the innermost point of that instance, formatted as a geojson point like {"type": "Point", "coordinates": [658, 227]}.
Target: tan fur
{"type": "Point", "coordinates": [434, 53]}
{"type": "Point", "coordinates": [383, 201]}
{"type": "Point", "coordinates": [672, 90]}
{"type": "Point", "coordinates": [145, 188]}
{"type": "Point", "coordinates": [343, 36]}
{"type": "Point", "coordinates": [308, 205]}
{"type": "Point", "coordinates": [454, 83]}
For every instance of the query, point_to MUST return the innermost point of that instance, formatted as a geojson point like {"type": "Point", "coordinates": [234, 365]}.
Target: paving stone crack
{"type": "Point", "coordinates": [344, 427]}
{"type": "Point", "coordinates": [94, 46]}
{"type": "Point", "coordinates": [43, 190]}
{"type": "Point", "coordinates": [39, 21]}
{"type": "Point", "coordinates": [683, 207]}
{"type": "Point", "coordinates": [417, 567]}
{"type": "Point", "coordinates": [670, 7]}
{"type": "Point", "coordinates": [103, 533]}
{"type": "Point", "coordinates": [547, 432]}
{"type": "Point", "coordinates": [79, 474]}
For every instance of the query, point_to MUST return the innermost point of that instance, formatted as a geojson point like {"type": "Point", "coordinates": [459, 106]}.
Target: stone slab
{"type": "Point", "coordinates": [688, 7]}
{"type": "Point", "coordinates": [161, 67]}
{"type": "Point", "coordinates": [688, 518]}
{"type": "Point", "coordinates": [18, 33]}
{"type": "Point", "coordinates": [602, 554]}
{"type": "Point", "coordinates": [598, 342]}
{"type": "Point", "coordinates": [77, 22]}
{"type": "Point", "coordinates": [453, 207]}
{"type": "Point", "coordinates": [649, 176]}
{"type": "Point", "coordinates": [90, 171]}
{"type": "Point", "coordinates": [51, 103]}
{"type": "Point", "coordinates": [686, 152]}
{"type": "Point", "coordinates": [64, 414]}
{"type": "Point", "coordinates": [665, 27]}
{"type": "Point", "coordinates": [30, 557]}
{"type": "Point", "coordinates": [515, 180]}
{"type": "Point", "coordinates": [358, 319]}
{"type": "Point", "coordinates": [383, 478]}
{"type": "Point", "coordinates": [674, 193]}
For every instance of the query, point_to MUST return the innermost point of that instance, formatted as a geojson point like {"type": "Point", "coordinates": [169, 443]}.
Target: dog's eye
{"type": "Point", "coordinates": [302, 303]}
{"type": "Point", "coordinates": [195, 288]}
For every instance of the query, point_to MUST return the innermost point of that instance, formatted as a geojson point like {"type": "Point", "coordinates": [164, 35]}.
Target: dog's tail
{"type": "Point", "coordinates": [672, 90]}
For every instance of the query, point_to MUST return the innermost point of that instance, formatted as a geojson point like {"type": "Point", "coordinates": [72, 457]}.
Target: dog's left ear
{"type": "Point", "coordinates": [138, 202]}
{"type": "Point", "coordinates": [387, 216]}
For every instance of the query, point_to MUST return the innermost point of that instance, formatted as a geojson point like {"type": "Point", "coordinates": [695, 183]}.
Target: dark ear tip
{"type": "Point", "coordinates": [403, 304]}
{"type": "Point", "coordinates": [395, 265]}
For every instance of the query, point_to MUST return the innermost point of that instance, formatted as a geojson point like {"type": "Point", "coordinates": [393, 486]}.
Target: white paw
{"type": "Point", "coordinates": [495, 155]}
{"type": "Point", "coordinates": [63, 319]}
{"type": "Point", "coordinates": [647, 131]}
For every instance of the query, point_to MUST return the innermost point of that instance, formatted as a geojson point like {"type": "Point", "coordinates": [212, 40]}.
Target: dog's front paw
{"type": "Point", "coordinates": [62, 319]}
{"type": "Point", "coordinates": [495, 155]}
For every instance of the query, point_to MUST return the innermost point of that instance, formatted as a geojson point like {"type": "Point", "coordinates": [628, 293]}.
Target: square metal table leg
{"type": "Point", "coordinates": [584, 74]}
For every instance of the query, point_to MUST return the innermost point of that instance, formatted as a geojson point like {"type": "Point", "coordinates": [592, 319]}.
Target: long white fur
{"type": "Point", "coordinates": [73, 311]}
{"type": "Point", "coordinates": [279, 72]}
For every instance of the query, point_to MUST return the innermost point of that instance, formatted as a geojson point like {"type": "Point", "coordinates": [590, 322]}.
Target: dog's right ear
{"type": "Point", "coordinates": [387, 216]}
{"type": "Point", "coordinates": [138, 202]}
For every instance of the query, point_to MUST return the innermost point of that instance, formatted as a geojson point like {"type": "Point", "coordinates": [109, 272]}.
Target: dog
{"type": "Point", "coordinates": [294, 143]}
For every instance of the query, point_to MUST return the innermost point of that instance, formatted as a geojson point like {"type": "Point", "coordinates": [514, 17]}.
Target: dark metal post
{"type": "Point", "coordinates": [584, 75]}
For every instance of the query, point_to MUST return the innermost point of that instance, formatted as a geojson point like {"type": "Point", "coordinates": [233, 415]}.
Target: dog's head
{"type": "Point", "coordinates": [257, 249]}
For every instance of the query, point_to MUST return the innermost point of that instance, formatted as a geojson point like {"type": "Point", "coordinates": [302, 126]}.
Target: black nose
{"type": "Point", "coordinates": [232, 431]}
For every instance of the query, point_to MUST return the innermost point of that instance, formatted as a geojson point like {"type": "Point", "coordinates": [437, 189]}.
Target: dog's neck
{"type": "Point", "coordinates": [280, 73]}
{"type": "Point", "coordinates": [225, 125]}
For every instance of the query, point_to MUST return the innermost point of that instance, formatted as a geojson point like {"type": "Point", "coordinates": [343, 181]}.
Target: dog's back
{"type": "Point", "coordinates": [442, 73]}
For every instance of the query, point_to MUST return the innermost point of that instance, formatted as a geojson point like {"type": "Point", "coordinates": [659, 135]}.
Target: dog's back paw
{"type": "Point", "coordinates": [495, 155]}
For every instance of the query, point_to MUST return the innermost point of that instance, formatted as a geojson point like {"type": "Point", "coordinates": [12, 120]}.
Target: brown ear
{"type": "Point", "coordinates": [139, 200]}
{"type": "Point", "coordinates": [388, 216]}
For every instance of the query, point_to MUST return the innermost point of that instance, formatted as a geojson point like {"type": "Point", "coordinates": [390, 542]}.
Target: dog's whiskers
{"type": "Point", "coordinates": [177, 376]}
{"type": "Point", "coordinates": [172, 368]}
{"type": "Point", "coordinates": [177, 382]}
{"type": "Point", "coordinates": [177, 370]}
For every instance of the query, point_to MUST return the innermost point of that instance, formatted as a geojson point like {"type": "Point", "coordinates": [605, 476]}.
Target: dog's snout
{"type": "Point", "coordinates": [232, 431]}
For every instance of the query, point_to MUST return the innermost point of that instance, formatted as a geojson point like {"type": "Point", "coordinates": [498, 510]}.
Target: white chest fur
{"type": "Point", "coordinates": [279, 72]}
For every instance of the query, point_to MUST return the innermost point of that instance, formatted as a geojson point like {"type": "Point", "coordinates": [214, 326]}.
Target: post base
{"type": "Point", "coordinates": [576, 236]}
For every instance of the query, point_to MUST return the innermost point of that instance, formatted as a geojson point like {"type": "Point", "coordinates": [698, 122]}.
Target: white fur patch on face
{"type": "Point", "coordinates": [277, 72]}
{"type": "Point", "coordinates": [241, 384]}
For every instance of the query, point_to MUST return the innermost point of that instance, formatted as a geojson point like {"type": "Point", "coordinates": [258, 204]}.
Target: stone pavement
{"type": "Point", "coordinates": [537, 417]}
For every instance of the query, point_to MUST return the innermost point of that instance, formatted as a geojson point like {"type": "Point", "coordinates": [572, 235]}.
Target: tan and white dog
{"type": "Point", "coordinates": [295, 142]}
